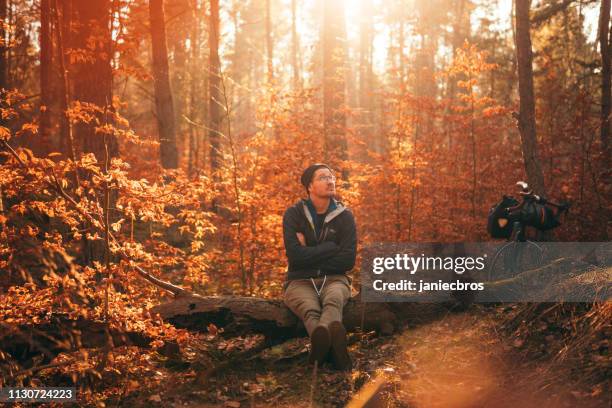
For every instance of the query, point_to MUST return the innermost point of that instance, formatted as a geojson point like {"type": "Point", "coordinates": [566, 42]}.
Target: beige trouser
{"type": "Point", "coordinates": [301, 297]}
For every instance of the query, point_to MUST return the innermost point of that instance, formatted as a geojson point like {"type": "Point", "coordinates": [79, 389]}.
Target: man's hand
{"type": "Point", "coordinates": [301, 238]}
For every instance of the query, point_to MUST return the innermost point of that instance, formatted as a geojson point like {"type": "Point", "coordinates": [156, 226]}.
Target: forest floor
{"type": "Point", "coordinates": [467, 359]}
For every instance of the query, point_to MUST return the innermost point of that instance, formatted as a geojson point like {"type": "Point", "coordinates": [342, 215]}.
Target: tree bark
{"type": "Point", "coordinates": [365, 99]}
{"type": "Point", "coordinates": [269, 45]}
{"type": "Point", "coordinates": [214, 89]}
{"type": "Point", "coordinates": [460, 34]}
{"type": "Point", "coordinates": [164, 104]}
{"type": "Point", "coordinates": [3, 48]}
{"type": "Point", "coordinates": [295, 47]}
{"type": "Point", "coordinates": [66, 136]}
{"type": "Point", "coordinates": [605, 43]}
{"type": "Point", "coordinates": [93, 76]}
{"type": "Point", "coordinates": [365, 45]}
{"type": "Point", "coordinates": [194, 91]}
{"type": "Point", "coordinates": [46, 53]}
{"type": "Point", "coordinates": [92, 84]}
{"type": "Point", "coordinates": [526, 118]}
{"type": "Point", "coordinates": [241, 315]}
{"type": "Point", "coordinates": [334, 95]}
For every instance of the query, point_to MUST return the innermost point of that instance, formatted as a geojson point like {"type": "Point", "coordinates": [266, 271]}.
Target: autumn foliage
{"type": "Point", "coordinates": [76, 222]}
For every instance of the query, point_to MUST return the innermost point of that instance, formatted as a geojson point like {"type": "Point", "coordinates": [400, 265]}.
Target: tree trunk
{"type": "Point", "coordinates": [66, 136]}
{"type": "Point", "coordinates": [194, 91]}
{"type": "Point", "coordinates": [605, 43]}
{"type": "Point", "coordinates": [46, 51]}
{"type": "Point", "coordinates": [93, 76]}
{"type": "Point", "coordinates": [295, 47]}
{"type": "Point", "coordinates": [241, 315]}
{"type": "Point", "coordinates": [164, 105]}
{"type": "Point", "coordinates": [366, 105]}
{"type": "Point", "coordinates": [401, 44]}
{"type": "Point", "coordinates": [526, 119]}
{"type": "Point", "coordinates": [214, 89]}
{"type": "Point", "coordinates": [458, 38]}
{"type": "Point", "coordinates": [92, 80]}
{"type": "Point", "coordinates": [3, 48]}
{"type": "Point", "coordinates": [334, 36]}
{"type": "Point", "coordinates": [269, 45]}
{"type": "Point", "coordinates": [365, 45]}
{"type": "Point", "coordinates": [178, 50]}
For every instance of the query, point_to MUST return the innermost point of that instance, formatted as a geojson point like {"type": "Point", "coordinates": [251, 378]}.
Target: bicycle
{"type": "Point", "coordinates": [519, 253]}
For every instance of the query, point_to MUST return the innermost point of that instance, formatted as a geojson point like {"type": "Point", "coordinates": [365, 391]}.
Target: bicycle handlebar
{"type": "Point", "coordinates": [528, 194]}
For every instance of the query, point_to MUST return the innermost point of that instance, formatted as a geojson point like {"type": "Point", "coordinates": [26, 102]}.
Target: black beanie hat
{"type": "Point", "coordinates": [310, 171]}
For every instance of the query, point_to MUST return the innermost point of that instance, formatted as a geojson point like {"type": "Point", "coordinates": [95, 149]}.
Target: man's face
{"type": "Point", "coordinates": [323, 183]}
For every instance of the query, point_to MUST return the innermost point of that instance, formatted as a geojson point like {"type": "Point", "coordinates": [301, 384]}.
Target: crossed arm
{"type": "Point", "coordinates": [344, 259]}
{"type": "Point", "coordinates": [327, 255]}
{"type": "Point", "coordinates": [298, 253]}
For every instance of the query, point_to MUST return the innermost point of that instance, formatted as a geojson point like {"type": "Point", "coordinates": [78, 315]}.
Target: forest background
{"type": "Point", "coordinates": [165, 139]}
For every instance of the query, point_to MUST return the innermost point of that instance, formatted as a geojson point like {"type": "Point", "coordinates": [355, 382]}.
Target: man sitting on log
{"type": "Point", "coordinates": [321, 245]}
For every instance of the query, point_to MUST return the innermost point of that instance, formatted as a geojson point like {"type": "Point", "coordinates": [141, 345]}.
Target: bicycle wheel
{"type": "Point", "coordinates": [502, 264]}
{"type": "Point", "coordinates": [531, 256]}
{"type": "Point", "coordinates": [514, 258]}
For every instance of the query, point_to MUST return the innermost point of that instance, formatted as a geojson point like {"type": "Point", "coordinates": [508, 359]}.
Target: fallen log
{"type": "Point", "coordinates": [243, 315]}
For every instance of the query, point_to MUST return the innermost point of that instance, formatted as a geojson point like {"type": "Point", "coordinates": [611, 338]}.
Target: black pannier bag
{"type": "Point", "coordinates": [540, 216]}
{"type": "Point", "coordinates": [498, 223]}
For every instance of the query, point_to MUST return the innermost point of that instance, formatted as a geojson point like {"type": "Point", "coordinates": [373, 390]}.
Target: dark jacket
{"type": "Point", "coordinates": [331, 253]}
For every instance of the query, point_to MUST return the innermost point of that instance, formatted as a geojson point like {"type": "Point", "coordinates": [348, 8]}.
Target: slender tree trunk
{"type": "Point", "coordinates": [400, 54]}
{"type": "Point", "coordinates": [425, 90]}
{"type": "Point", "coordinates": [461, 32]}
{"type": "Point", "coordinates": [334, 95]}
{"type": "Point", "coordinates": [365, 43]}
{"type": "Point", "coordinates": [10, 81]}
{"type": "Point", "coordinates": [92, 80]}
{"type": "Point", "coordinates": [458, 38]}
{"type": "Point", "coordinates": [93, 76]}
{"type": "Point", "coordinates": [270, 64]}
{"type": "Point", "coordinates": [178, 50]}
{"type": "Point", "coordinates": [66, 22]}
{"type": "Point", "coordinates": [295, 47]}
{"type": "Point", "coordinates": [164, 104]}
{"type": "Point", "coordinates": [605, 41]}
{"type": "Point", "coordinates": [513, 71]}
{"type": "Point", "coordinates": [419, 90]}
{"type": "Point", "coordinates": [365, 81]}
{"type": "Point", "coordinates": [214, 90]}
{"type": "Point", "coordinates": [45, 76]}
{"type": "Point", "coordinates": [66, 136]}
{"type": "Point", "coordinates": [401, 132]}
{"type": "Point", "coordinates": [526, 119]}
{"type": "Point", "coordinates": [3, 75]}
{"type": "Point", "coordinates": [269, 45]}
{"type": "Point", "coordinates": [3, 48]}
{"type": "Point", "coordinates": [473, 139]}
{"type": "Point", "coordinates": [194, 89]}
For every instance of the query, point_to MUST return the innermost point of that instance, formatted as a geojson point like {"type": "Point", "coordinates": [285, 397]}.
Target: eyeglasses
{"type": "Point", "coordinates": [327, 178]}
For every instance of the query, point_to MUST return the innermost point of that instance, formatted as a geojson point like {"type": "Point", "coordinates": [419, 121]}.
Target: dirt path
{"type": "Point", "coordinates": [462, 361]}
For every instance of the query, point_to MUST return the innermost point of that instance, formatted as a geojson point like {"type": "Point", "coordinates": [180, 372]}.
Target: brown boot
{"type": "Point", "coordinates": [319, 344]}
{"type": "Point", "coordinates": [339, 351]}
